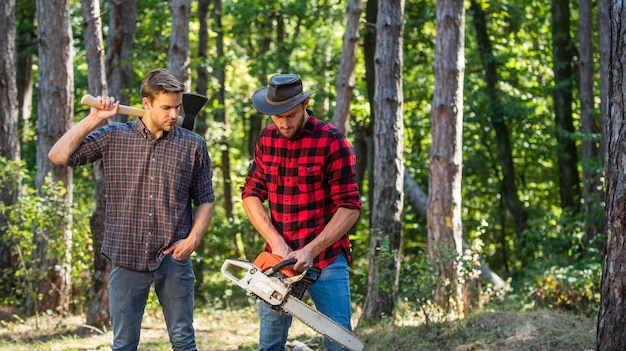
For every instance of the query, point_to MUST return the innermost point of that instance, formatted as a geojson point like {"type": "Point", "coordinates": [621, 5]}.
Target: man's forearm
{"type": "Point", "coordinates": [71, 140]}
{"type": "Point", "coordinates": [202, 219]}
{"type": "Point", "coordinates": [258, 216]}
{"type": "Point", "coordinates": [339, 225]}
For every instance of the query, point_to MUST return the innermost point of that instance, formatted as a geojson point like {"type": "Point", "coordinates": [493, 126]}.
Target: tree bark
{"type": "Point", "coordinates": [179, 63]}
{"type": "Point", "coordinates": [9, 143]}
{"type": "Point", "coordinates": [345, 77]}
{"type": "Point", "coordinates": [388, 195]}
{"type": "Point", "coordinates": [592, 185]}
{"type": "Point", "coordinates": [444, 194]}
{"type": "Point", "coordinates": [55, 114]}
{"type": "Point", "coordinates": [611, 319]}
{"type": "Point", "coordinates": [120, 51]}
{"type": "Point", "coordinates": [98, 309]}
{"type": "Point", "coordinates": [569, 179]}
{"type": "Point", "coordinates": [604, 45]}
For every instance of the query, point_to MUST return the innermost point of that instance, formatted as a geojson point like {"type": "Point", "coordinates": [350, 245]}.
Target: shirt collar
{"type": "Point", "coordinates": [145, 132]}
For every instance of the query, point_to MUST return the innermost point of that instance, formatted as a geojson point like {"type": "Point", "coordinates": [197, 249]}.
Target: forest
{"type": "Point", "coordinates": [487, 137]}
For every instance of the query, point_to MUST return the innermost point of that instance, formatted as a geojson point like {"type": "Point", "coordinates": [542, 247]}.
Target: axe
{"type": "Point", "coordinates": [192, 104]}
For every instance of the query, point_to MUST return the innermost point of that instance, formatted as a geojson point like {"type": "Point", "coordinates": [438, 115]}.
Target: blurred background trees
{"type": "Point", "coordinates": [527, 139]}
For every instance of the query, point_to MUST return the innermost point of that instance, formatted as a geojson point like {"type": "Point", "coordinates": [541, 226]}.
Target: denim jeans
{"type": "Point", "coordinates": [128, 293]}
{"type": "Point", "coordinates": [331, 296]}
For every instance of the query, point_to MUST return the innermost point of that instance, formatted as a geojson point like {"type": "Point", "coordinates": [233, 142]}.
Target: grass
{"type": "Point", "coordinates": [227, 330]}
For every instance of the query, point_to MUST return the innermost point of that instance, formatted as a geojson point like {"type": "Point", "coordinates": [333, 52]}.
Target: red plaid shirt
{"type": "Point", "coordinates": [305, 181]}
{"type": "Point", "coordinates": [150, 185]}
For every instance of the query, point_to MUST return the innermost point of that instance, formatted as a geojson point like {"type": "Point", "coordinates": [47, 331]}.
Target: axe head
{"type": "Point", "coordinates": [192, 104]}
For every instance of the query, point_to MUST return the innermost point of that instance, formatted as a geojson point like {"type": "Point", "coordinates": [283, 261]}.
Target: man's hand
{"type": "Point", "coordinates": [107, 108]}
{"type": "Point", "coordinates": [304, 256]}
{"type": "Point", "coordinates": [181, 249]}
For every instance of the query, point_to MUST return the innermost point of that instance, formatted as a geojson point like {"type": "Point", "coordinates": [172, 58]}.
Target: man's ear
{"type": "Point", "coordinates": [146, 103]}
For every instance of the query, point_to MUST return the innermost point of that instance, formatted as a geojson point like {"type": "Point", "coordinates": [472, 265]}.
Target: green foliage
{"type": "Point", "coordinates": [35, 217]}
{"type": "Point", "coordinates": [567, 277]}
{"type": "Point", "coordinates": [574, 288]}
{"type": "Point", "coordinates": [41, 217]}
{"type": "Point", "coordinates": [422, 278]}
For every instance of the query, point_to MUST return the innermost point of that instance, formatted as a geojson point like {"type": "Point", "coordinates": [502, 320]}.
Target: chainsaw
{"type": "Point", "coordinates": [277, 284]}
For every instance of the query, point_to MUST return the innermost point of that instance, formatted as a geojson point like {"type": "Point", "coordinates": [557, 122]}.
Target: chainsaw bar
{"type": "Point", "coordinates": [322, 324]}
{"type": "Point", "coordinates": [276, 293]}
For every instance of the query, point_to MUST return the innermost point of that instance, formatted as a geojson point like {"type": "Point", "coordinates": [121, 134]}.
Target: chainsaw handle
{"type": "Point", "coordinates": [234, 262]}
{"type": "Point", "coordinates": [284, 263]}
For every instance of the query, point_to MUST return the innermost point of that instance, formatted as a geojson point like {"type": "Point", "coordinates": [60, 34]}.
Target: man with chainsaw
{"type": "Point", "coordinates": [154, 171]}
{"type": "Point", "coordinates": [306, 170]}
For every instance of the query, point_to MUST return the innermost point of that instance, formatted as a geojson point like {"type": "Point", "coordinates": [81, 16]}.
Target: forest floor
{"type": "Point", "coordinates": [237, 330]}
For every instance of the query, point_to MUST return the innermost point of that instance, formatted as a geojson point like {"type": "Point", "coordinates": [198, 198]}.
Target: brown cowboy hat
{"type": "Point", "coordinates": [283, 94]}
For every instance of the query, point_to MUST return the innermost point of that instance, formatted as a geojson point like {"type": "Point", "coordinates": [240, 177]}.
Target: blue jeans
{"type": "Point", "coordinates": [128, 292]}
{"type": "Point", "coordinates": [331, 295]}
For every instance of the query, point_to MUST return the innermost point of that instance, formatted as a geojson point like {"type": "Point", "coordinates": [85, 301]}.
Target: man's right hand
{"type": "Point", "coordinates": [107, 107]}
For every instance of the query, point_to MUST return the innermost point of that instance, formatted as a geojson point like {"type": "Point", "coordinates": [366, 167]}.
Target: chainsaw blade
{"type": "Point", "coordinates": [322, 324]}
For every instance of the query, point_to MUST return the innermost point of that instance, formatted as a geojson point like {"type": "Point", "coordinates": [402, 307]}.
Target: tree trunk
{"type": "Point", "coordinates": [24, 66]}
{"type": "Point", "coordinates": [363, 135]}
{"type": "Point", "coordinates": [202, 82]}
{"type": "Point", "coordinates": [345, 77]}
{"type": "Point", "coordinates": [611, 317]}
{"type": "Point", "coordinates": [592, 185]}
{"type": "Point", "coordinates": [98, 310]}
{"type": "Point", "coordinates": [569, 187]}
{"type": "Point", "coordinates": [508, 187]}
{"type": "Point", "coordinates": [120, 51]}
{"type": "Point", "coordinates": [444, 194]}
{"type": "Point", "coordinates": [604, 44]}
{"type": "Point", "coordinates": [179, 42]}
{"type": "Point", "coordinates": [55, 113]}
{"type": "Point", "coordinates": [220, 111]}
{"type": "Point", "coordinates": [201, 128]}
{"type": "Point", "coordinates": [388, 195]}
{"type": "Point", "coordinates": [9, 143]}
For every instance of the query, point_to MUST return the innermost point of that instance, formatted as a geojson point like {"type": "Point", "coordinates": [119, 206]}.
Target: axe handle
{"type": "Point", "coordinates": [90, 100]}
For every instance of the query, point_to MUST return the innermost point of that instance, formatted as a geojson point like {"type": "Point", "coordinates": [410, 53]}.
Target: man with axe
{"type": "Point", "coordinates": [155, 173]}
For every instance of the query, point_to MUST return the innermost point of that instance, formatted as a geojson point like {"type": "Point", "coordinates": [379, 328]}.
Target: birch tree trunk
{"type": "Point", "coordinates": [55, 114]}
{"type": "Point", "coordinates": [98, 309]}
{"type": "Point", "coordinates": [388, 172]}
{"type": "Point", "coordinates": [611, 317]}
{"type": "Point", "coordinates": [444, 194]}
